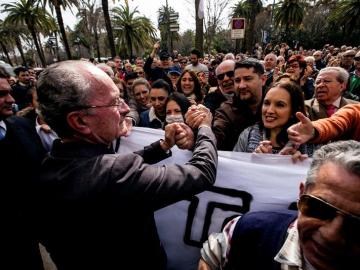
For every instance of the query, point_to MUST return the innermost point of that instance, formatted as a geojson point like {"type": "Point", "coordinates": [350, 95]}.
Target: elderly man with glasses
{"type": "Point", "coordinates": [322, 235]}
{"type": "Point", "coordinates": [225, 90]}
{"type": "Point", "coordinates": [96, 208]}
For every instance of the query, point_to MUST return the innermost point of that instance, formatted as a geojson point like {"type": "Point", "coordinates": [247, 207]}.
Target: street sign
{"type": "Point", "coordinates": [237, 28]}
{"type": "Point", "coordinates": [174, 16]}
{"type": "Point", "coordinates": [174, 27]}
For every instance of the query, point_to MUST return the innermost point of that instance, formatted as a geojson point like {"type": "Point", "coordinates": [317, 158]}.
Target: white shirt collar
{"type": "Point", "coordinates": [336, 103]}
{"type": "Point", "coordinates": [152, 115]}
{"type": "Point", "coordinates": [290, 254]}
{"type": "Point", "coordinates": [3, 125]}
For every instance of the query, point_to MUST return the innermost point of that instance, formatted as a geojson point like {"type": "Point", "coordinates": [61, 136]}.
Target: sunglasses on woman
{"type": "Point", "coordinates": [312, 206]}
{"type": "Point", "coordinates": [221, 76]}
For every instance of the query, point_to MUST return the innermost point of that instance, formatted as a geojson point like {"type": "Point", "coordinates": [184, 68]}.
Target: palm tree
{"type": "Point", "coordinates": [248, 9]}
{"type": "Point", "coordinates": [34, 17]}
{"type": "Point", "coordinates": [347, 14]}
{"type": "Point", "coordinates": [14, 33]}
{"type": "Point", "coordinates": [90, 16]}
{"type": "Point", "coordinates": [289, 13]}
{"type": "Point", "coordinates": [132, 31]}
{"type": "Point", "coordinates": [199, 29]}
{"type": "Point", "coordinates": [57, 4]}
{"type": "Point", "coordinates": [4, 40]}
{"type": "Point", "coordinates": [105, 7]}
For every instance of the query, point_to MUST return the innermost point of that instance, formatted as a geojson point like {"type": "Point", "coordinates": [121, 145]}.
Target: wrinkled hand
{"type": "Point", "coordinates": [184, 137]}
{"type": "Point", "coordinates": [169, 140]}
{"type": "Point", "coordinates": [198, 115]}
{"type": "Point", "coordinates": [301, 132]}
{"type": "Point", "coordinates": [264, 147]}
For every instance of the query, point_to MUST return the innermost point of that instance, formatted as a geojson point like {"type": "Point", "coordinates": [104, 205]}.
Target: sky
{"type": "Point", "coordinates": [149, 8]}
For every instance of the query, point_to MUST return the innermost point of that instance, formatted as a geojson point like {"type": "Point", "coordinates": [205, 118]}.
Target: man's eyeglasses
{"type": "Point", "coordinates": [357, 58]}
{"type": "Point", "coordinates": [312, 206]}
{"type": "Point", "coordinates": [349, 55]}
{"type": "Point", "coordinates": [221, 76]}
{"type": "Point", "coordinates": [119, 102]}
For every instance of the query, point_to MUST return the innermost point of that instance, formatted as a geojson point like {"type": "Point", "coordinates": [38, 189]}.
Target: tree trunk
{"type": "Point", "coordinates": [38, 49]}
{"type": "Point", "coordinates": [96, 36]}
{"type": "Point", "coordinates": [57, 47]}
{"type": "Point", "coordinates": [110, 36]}
{"type": "Point", "coordinates": [199, 31]}
{"type": "Point", "coordinates": [6, 52]}
{"type": "Point", "coordinates": [62, 31]}
{"type": "Point", "coordinates": [19, 47]}
{"type": "Point", "coordinates": [41, 47]}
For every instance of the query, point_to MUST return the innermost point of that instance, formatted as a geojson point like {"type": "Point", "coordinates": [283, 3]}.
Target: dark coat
{"type": "Point", "coordinates": [230, 120]}
{"type": "Point", "coordinates": [99, 205]}
{"type": "Point", "coordinates": [21, 154]}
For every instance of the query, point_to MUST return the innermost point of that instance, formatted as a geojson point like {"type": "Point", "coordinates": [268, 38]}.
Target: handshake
{"type": "Point", "coordinates": [181, 134]}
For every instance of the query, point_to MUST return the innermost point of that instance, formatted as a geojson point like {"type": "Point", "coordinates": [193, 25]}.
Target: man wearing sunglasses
{"type": "Point", "coordinates": [225, 90]}
{"type": "Point", "coordinates": [241, 111]}
{"type": "Point", "coordinates": [323, 234]}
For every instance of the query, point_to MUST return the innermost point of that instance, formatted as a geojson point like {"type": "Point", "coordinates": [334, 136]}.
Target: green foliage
{"type": "Point", "coordinates": [347, 14]}
{"type": "Point", "coordinates": [289, 13]}
{"type": "Point", "coordinates": [132, 31]}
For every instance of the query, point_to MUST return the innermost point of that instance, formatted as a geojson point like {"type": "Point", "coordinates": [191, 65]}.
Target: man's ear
{"type": "Point", "coordinates": [77, 122]}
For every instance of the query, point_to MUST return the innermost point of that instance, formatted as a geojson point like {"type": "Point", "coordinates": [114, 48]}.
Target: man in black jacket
{"type": "Point", "coordinates": [21, 153]}
{"type": "Point", "coordinates": [98, 206]}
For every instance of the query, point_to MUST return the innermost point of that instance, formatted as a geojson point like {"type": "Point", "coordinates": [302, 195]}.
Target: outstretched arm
{"type": "Point", "coordinates": [301, 132]}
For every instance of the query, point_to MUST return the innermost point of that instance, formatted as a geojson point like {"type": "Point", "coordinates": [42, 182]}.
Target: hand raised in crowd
{"type": "Point", "coordinates": [198, 115]}
{"type": "Point", "coordinates": [301, 132]}
{"type": "Point", "coordinates": [184, 137]}
{"type": "Point", "coordinates": [264, 147]}
{"type": "Point", "coordinates": [156, 46]}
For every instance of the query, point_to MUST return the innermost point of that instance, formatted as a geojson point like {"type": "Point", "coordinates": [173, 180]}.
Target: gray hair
{"type": "Point", "coordinates": [62, 88]}
{"type": "Point", "coordinates": [342, 75]}
{"type": "Point", "coordinates": [107, 69]}
{"type": "Point", "coordinates": [309, 58]}
{"type": "Point", "coordinates": [343, 153]}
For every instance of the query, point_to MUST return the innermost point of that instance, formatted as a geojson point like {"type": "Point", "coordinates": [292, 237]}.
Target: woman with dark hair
{"type": "Point", "coordinates": [280, 104]}
{"type": "Point", "coordinates": [176, 107]}
{"type": "Point", "coordinates": [296, 66]}
{"type": "Point", "coordinates": [189, 84]}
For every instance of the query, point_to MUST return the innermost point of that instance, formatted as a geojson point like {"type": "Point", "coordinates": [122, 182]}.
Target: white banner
{"type": "Point", "coordinates": [244, 182]}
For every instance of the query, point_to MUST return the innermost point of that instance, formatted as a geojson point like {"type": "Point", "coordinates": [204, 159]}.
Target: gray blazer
{"type": "Point", "coordinates": [317, 111]}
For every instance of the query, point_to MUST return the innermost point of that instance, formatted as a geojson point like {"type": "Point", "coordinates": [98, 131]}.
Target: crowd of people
{"type": "Point", "coordinates": [94, 209]}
